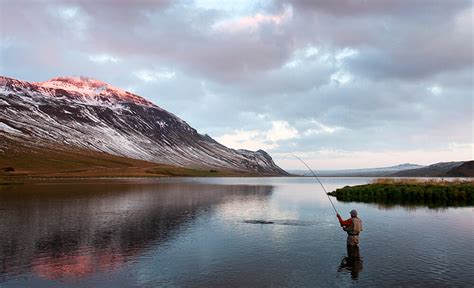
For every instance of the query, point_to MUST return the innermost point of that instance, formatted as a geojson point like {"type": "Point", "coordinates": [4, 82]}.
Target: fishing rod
{"type": "Point", "coordinates": [314, 174]}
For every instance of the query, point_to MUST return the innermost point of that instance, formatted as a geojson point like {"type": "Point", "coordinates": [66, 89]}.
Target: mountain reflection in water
{"type": "Point", "coordinates": [66, 230]}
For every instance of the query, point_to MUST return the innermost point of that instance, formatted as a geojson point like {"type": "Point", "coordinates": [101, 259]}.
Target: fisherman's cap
{"type": "Point", "coordinates": [353, 212]}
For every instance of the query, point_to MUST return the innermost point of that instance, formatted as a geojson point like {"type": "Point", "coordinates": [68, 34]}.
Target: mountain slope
{"type": "Point", "coordinates": [464, 170]}
{"type": "Point", "coordinates": [441, 169]}
{"type": "Point", "coordinates": [70, 113]}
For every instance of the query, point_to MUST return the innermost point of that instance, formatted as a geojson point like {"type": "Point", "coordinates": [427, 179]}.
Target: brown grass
{"type": "Point", "coordinates": [42, 162]}
{"type": "Point", "coordinates": [422, 182]}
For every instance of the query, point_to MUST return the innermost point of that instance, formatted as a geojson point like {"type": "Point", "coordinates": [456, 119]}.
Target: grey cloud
{"type": "Point", "coordinates": [420, 54]}
{"type": "Point", "coordinates": [357, 8]}
{"type": "Point", "coordinates": [392, 42]}
{"type": "Point", "coordinates": [176, 34]}
{"type": "Point", "coordinates": [395, 39]}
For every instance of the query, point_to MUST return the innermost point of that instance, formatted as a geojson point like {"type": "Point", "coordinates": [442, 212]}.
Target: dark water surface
{"type": "Point", "coordinates": [227, 232]}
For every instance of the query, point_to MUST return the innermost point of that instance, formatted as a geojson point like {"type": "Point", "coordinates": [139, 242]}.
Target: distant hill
{"type": "Point", "coordinates": [364, 172]}
{"type": "Point", "coordinates": [442, 169]}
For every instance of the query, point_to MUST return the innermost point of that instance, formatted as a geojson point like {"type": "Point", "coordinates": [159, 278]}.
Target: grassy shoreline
{"type": "Point", "coordinates": [431, 193]}
{"type": "Point", "coordinates": [21, 162]}
{"type": "Point", "coordinates": [151, 172]}
{"type": "Point", "coordinates": [158, 172]}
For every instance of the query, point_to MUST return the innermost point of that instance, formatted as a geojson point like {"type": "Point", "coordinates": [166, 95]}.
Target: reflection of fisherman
{"type": "Point", "coordinates": [352, 262]}
{"type": "Point", "coordinates": [353, 226]}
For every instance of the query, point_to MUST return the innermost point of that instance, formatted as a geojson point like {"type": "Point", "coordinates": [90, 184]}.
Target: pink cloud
{"type": "Point", "coordinates": [252, 23]}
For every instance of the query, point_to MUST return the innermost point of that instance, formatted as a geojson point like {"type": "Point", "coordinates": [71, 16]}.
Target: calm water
{"type": "Point", "coordinates": [193, 233]}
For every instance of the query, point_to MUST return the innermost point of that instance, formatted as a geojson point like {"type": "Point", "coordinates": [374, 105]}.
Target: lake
{"type": "Point", "coordinates": [206, 232]}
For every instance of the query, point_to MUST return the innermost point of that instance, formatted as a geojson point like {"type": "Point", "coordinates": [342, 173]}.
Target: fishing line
{"type": "Point", "coordinates": [314, 174]}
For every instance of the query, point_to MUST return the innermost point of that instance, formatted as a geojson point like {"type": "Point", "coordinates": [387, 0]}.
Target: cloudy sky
{"type": "Point", "coordinates": [343, 84]}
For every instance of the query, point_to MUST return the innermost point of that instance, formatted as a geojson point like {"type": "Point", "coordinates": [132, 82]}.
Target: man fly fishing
{"type": "Point", "coordinates": [353, 261]}
{"type": "Point", "coordinates": [353, 226]}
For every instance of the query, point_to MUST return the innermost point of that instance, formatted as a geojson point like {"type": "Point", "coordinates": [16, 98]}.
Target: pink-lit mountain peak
{"type": "Point", "coordinates": [76, 81]}
{"type": "Point", "coordinates": [81, 84]}
{"type": "Point", "coordinates": [93, 89]}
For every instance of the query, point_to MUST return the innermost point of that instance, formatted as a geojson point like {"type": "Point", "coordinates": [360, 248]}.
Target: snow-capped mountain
{"type": "Point", "coordinates": [84, 113]}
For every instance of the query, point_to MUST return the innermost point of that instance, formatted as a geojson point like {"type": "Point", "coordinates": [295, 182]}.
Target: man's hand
{"type": "Point", "coordinates": [337, 215]}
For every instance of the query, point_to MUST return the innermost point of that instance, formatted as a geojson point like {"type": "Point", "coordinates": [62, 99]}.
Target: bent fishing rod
{"type": "Point", "coordinates": [314, 174]}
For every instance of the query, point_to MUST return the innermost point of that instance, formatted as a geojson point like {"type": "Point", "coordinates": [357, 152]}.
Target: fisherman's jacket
{"type": "Point", "coordinates": [353, 226]}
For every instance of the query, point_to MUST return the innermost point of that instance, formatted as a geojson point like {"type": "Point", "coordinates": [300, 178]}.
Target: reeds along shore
{"type": "Point", "coordinates": [433, 193]}
{"type": "Point", "coordinates": [421, 181]}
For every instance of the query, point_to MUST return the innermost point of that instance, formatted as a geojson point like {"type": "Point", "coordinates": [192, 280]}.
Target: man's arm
{"type": "Point", "coordinates": [343, 222]}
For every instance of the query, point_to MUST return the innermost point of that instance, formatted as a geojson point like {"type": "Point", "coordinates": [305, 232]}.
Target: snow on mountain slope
{"type": "Point", "coordinates": [86, 113]}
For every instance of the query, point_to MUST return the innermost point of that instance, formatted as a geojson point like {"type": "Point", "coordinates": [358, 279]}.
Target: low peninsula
{"type": "Point", "coordinates": [392, 191]}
